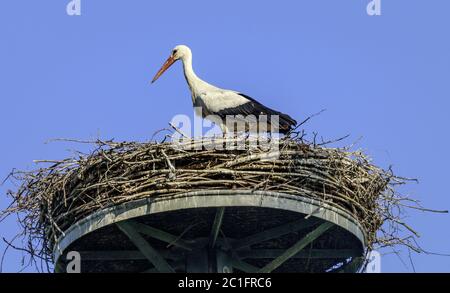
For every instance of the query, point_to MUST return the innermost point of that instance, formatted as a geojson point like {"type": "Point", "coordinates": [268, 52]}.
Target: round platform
{"type": "Point", "coordinates": [216, 231]}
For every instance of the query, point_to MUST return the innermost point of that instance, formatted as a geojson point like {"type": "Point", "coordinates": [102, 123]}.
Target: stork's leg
{"type": "Point", "coordinates": [224, 129]}
{"type": "Point", "coordinates": [224, 135]}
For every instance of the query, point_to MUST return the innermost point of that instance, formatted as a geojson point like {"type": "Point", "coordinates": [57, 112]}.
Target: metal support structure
{"type": "Point", "coordinates": [216, 226]}
{"type": "Point", "coordinates": [124, 255]}
{"type": "Point", "coordinates": [223, 261]}
{"type": "Point", "coordinates": [242, 254]}
{"type": "Point", "coordinates": [147, 250]}
{"type": "Point", "coordinates": [208, 251]}
{"type": "Point", "coordinates": [59, 268]}
{"type": "Point", "coordinates": [176, 265]}
{"type": "Point", "coordinates": [160, 235]}
{"type": "Point", "coordinates": [293, 250]}
{"type": "Point", "coordinates": [274, 233]}
{"type": "Point", "coordinates": [243, 266]}
{"type": "Point", "coordinates": [197, 262]}
{"type": "Point", "coordinates": [303, 254]}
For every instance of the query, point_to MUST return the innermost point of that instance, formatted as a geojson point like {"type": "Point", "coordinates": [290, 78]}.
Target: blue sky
{"type": "Point", "coordinates": [383, 78]}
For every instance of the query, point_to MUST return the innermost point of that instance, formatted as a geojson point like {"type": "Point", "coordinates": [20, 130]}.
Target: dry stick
{"type": "Point", "coordinates": [178, 130]}
{"type": "Point", "coordinates": [120, 172]}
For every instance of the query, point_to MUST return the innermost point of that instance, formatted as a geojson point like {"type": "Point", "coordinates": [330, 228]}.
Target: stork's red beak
{"type": "Point", "coordinates": [165, 66]}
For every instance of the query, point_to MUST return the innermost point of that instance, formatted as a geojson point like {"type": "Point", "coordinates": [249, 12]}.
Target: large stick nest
{"type": "Point", "coordinates": [60, 193]}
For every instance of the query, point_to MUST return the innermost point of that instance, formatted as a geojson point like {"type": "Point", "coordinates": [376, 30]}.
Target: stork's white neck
{"type": "Point", "coordinates": [191, 78]}
{"type": "Point", "coordinates": [196, 85]}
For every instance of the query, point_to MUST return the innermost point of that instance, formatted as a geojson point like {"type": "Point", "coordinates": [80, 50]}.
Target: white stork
{"type": "Point", "coordinates": [218, 104]}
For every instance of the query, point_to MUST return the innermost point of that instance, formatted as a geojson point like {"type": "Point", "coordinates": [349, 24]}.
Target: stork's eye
{"type": "Point", "coordinates": [174, 52]}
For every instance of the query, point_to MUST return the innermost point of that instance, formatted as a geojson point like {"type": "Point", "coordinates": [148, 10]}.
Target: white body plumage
{"type": "Point", "coordinates": [218, 104]}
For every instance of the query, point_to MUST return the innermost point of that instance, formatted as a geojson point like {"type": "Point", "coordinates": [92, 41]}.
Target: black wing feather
{"type": "Point", "coordinates": [253, 107]}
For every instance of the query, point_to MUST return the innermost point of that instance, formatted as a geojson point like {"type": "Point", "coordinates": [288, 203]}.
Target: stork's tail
{"type": "Point", "coordinates": [286, 123]}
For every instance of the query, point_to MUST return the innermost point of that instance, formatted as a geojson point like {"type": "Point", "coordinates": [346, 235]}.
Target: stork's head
{"type": "Point", "coordinates": [179, 52]}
